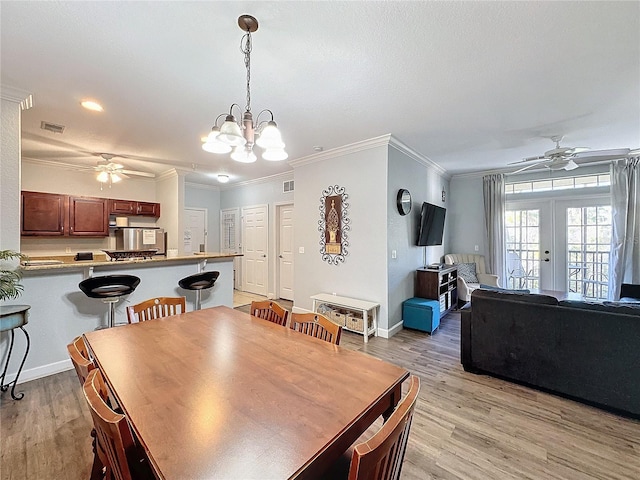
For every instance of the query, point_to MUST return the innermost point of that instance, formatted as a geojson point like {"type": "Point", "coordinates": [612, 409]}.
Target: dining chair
{"type": "Point", "coordinates": [125, 457]}
{"type": "Point", "coordinates": [316, 325]}
{"type": "Point", "coordinates": [83, 365]}
{"type": "Point", "coordinates": [269, 310]}
{"type": "Point", "coordinates": [381, 456]}
{"type": "Point", "coordinates": [156, 308]}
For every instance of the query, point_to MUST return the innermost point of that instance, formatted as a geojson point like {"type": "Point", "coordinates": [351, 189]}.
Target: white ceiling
{"type": "Point", "coordinates": [471, 85]}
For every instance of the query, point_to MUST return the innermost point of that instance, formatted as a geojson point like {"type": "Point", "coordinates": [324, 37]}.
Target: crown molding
{"type": "Point", "coordinates": [271, 178]}
{"type": "Point", "coordinates": [171, 173]}
{"type": "Point", "coordinates": [375, 142]}
{"type": "Point", "coordinates": [418, 157]}
{"type": "Point", "coordinates": [17, 95]}
{"type": "Point", "coordinates": [203, 186]}
{"type": "Point", "coordinates": [381, 141]}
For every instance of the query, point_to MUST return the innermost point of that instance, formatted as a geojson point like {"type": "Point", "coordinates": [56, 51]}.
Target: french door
{"type": "Point", "coordinates": [560, 244]}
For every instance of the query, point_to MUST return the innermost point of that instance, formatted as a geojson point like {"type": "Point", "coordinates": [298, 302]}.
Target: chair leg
{"type": "Point", "coordinates": [198, 299]}
{"type": "Point", "coordinates": [97, 469]}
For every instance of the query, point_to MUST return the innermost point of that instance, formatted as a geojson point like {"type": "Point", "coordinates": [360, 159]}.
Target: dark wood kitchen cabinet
{"type": "Point", "coordinates": [55, 215]}
{"type": "Point", "coordinates": [88, 217]}
{"type": "Point", "coordinates": [131, 207]}
{"type": "Point", "coordinates": [44, 214]}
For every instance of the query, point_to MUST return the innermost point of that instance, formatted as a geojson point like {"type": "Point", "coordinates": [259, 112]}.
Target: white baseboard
{"type": "Point", "coordinates": [39, 372]}
{"type": "Point", "coordinates": [384, 333]}
{"type": "Point", "coordinates": [295, 309]}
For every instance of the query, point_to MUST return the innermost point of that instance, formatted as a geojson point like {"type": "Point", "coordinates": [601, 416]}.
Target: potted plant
{"type": "Point", "coordinates": [10, 286]}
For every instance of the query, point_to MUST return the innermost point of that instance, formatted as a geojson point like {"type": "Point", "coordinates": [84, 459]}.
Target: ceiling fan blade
{"type": "Point", "coordinates": [571, 165]}
{"type": "Point", "coordinates": [576, 150]}
{"type": "Point", "coordinates": [527, 168]}
{"type": "Point", "coordinates": [139, 174]}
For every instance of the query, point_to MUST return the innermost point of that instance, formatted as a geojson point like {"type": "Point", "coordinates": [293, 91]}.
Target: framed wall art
{"type": "Point", "coordinates": [334, 224]}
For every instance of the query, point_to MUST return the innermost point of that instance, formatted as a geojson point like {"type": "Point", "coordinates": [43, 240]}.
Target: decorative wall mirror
{"type": "Point", "coordinates": [404, 201]}
{"type": "Point", "coordinates": [334, 224]}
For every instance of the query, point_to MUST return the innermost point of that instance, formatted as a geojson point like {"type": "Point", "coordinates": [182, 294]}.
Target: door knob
{"type": "Point", "coordinates": [280, 256]}
{"type": "Point", "coordinates": [264, 256]}
{"type": "Point", "coordinates": [546, 259]}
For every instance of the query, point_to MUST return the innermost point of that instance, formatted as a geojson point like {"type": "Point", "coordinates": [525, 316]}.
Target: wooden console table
{"type": "Point", "coordinates": [362, 306]}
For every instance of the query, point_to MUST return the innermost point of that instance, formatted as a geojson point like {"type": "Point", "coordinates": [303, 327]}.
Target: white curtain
{"type": "Point", "coordinates": [624, 266]}
{"type": "Point", "coordinates": [494, 217]}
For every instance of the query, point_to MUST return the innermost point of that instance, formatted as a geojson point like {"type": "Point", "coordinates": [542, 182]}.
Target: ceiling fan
{"type": "Point", "coordinates": [563, 158]}
{"type": "Point", "coordinates": [112, 172]}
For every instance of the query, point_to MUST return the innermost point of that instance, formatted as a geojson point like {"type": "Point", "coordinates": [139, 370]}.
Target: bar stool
{"type": "Point", "coordinates": [109, 288]}
{"type": "Point", "coordinates": [199, 282]}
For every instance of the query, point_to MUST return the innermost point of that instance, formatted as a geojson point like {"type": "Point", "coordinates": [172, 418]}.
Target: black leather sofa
{"type": "Point", "coordinates": [585, 351]}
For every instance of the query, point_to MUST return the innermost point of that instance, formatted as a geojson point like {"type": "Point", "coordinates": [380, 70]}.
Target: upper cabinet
{"type": "Point", "coordinates": [131, 207]}
{"type": "Point", "coordinates": [88, 217]}
{"type": "Point", "coordinates": [55, 215]}
{"type": "Point", "coordinates": [43, 214]}
{"type": "Point", "coordinates": [49, 214]}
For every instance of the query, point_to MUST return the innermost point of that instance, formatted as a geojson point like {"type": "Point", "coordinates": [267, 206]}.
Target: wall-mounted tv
{"type": "Point", "coordinates": [431, 225]}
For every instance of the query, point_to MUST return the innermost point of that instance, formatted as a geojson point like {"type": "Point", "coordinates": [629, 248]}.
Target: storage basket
{"type": "Point", "coordinates": [356, 323]}
{"type": "Point", "coordinates": [338, 317]}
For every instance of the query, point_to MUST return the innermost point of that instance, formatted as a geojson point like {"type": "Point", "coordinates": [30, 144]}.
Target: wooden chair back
{"type": "Point", "coordinates": [380, 458]}
{"type": "Point", "coordinates": [316, 325]}
{"type": "Point", "coordinates": [112, 429]}
{"type": "Point", "coordinates": [156, 308]}
{"type": "Point", "coordinates": [269, 310]}
{"type": "Point", "coordinates": [80, 358]}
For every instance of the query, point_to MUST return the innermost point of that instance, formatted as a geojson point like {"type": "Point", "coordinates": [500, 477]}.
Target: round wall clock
{"type": "Point", "coordinates": [404, 201]}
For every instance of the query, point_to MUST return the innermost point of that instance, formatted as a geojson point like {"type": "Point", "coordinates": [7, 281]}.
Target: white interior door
{"type": "Point", "coordinates": [254, 249]}
{"type": "Point", "coordinates": [285, 256]}
{"type": "Point", "coordinates": [195, 230]}
{"type": "Point", "coordinates": [230, 241]}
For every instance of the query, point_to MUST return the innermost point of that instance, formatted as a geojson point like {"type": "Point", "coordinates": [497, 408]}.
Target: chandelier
{"type": "Point", "coordinates": [242, 136]}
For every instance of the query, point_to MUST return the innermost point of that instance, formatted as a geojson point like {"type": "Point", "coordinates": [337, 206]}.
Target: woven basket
{"type": "Point", "coordinates": [356, 323]}
{"type": "Point", "coordinates": [338, 317]}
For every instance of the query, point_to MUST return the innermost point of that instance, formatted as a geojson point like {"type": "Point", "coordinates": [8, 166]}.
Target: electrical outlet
{"type": "Point", "coordinates": [67, 250]}
{"type": "Point", "coordinates": [394, 254]}
{"type": "Point", "coordinates": [476, 248]}
{"type": "Point", "coordinates": [300, 249]}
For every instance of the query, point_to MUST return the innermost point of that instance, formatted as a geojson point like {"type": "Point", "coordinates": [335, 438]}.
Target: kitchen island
{"type": "Point", "coordinates": [60, 311]}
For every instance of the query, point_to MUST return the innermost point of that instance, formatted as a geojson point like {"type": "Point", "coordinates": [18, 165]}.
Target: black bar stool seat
{"type": "Point", "coordinates": [198, 282]}
{"type": "Point", "coordinates": [109, 288]}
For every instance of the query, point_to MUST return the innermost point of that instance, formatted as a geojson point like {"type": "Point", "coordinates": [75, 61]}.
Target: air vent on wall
{"type": "Point", "coordinates": [287, 186]}
{"type": "Point", "coordinates": [52, 127]}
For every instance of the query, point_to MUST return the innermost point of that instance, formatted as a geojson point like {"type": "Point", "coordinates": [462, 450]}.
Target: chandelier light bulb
{"type": "Point", "coordinates": [115, 178]}
{"type": "Point", "coordinates": [213, 144]}
{"type": "Point", "coordinates": [243, 155]}
{"type": "Point", "coordinates": [230, 133]}
{"type": "Point", "coordinates": [270, 137]}
{"type": "Point", "coordinates": [103, 177]}
{"type": "Point", "coordinates": [275, 154]}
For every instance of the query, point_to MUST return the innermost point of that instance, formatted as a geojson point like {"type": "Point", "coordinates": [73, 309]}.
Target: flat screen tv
{"type": "Point", "coordinates": [431, 225]}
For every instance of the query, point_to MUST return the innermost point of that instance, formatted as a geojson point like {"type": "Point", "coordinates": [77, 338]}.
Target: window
{"type": "Point", "coordinates": [564, 183]}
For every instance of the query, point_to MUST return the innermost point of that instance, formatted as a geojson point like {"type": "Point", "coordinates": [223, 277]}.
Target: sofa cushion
{"type": "Point", "coordinates": [612, 307]}
{"type": "Point", "coordinates": [518, 297]}
{"type": "Point", "coordinates": [499, 289]}
{"type": "Point", "coordinates": [468, 272]}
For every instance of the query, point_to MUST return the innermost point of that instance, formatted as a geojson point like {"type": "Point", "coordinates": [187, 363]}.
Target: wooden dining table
{"type": "Point", "coordinates": [218, 393]}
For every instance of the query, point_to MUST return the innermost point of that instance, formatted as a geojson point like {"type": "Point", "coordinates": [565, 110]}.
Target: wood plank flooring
{"type": "Point", "coordinates": [465, 427]}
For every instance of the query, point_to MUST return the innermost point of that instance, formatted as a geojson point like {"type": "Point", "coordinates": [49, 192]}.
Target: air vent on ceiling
{"type": "Point", "coordinates": [287, 186]}
{"type": "Point", "coordinates": [52, 127]}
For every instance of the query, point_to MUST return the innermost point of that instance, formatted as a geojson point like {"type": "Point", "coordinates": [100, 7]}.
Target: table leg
{"type": "Point", "coordinates": [395, 398]}
{"type": "Point", "coordinates": [5, 387]}
{"type": "Point", "coordinates": [365, 319]}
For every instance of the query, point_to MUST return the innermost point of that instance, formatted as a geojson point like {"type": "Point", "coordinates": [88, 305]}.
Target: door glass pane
{"type": "Point", "coordinates": [588, 245]}
{"type": "Point", "coordinates": [523, 248]}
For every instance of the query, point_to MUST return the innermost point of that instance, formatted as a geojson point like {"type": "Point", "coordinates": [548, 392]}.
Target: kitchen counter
{"type": "Point", "coordinates": [60, 311]}
{"type": "Point", "coordinates": [101, 260]}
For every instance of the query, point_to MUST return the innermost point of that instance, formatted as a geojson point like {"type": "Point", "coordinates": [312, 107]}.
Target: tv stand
{"type": "Point", "coordinates": [438, 284]}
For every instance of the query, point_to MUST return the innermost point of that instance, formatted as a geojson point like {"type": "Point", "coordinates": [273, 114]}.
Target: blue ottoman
{"type": "Point", "coordinates": [421, 314]}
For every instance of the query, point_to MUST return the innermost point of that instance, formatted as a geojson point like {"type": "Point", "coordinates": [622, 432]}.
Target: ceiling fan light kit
{"type": "Point", "coordinates": [241, 136]}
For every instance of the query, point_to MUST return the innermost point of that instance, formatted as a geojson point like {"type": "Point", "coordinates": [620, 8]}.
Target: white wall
{"type": "Point", "coordinates": [206, 196]}
{"type": "Point", "coordinates": [10, 175]}
{"type": "Point", "coordinates": [363, 173]}
{"type": "Point", "coordinates": [425, 184]}
{"type": "Point", "coordinates": [257, 192]}
{"type": "Point", "coordinates": [170, 192]}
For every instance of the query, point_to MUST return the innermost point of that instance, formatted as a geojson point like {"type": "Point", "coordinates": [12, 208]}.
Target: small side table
{"type": "Point", "coordinates": [12, 317]}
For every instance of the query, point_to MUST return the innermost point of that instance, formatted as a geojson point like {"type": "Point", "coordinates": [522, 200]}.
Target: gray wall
{"type": "Point", "coordinates": [205, 196]}
{"type": "Point", "coordinates": [465, 218]}
{"type": "Point", "coordinates": [425, 185]}
{"type": "Point", "coordinates": [363, 275]}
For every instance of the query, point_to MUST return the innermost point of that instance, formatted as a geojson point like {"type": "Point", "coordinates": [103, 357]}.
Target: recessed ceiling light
{"type": "Point", "coordinates": [318, 148]}
{"type": "Point", "coordinates": [91, 105]}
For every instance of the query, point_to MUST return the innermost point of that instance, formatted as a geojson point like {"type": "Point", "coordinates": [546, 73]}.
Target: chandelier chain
{"type": "Point", "coordinates": [245, 47]}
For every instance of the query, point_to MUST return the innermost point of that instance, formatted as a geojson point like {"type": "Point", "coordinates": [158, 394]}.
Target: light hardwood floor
{"type": "Point", "coordinates": [465, 427]}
